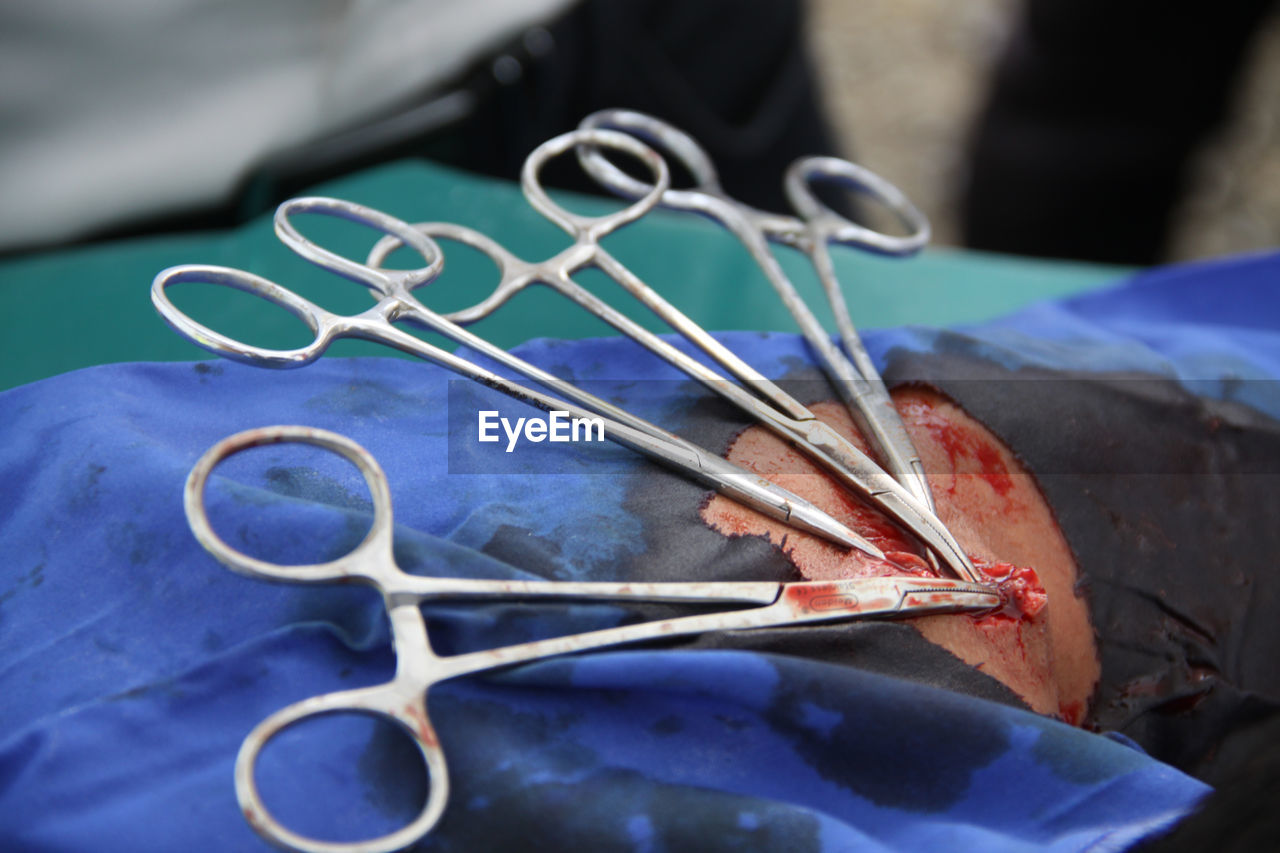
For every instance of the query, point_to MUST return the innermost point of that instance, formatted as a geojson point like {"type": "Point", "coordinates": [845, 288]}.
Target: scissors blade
{"type": "Point", "coordinates": [805, 602]}
{"type": "Point", "coordinates": [625, 428]}
{"type": "Point", "coordinates": [859, 385]}
{"type": "Point", "coordinates": [854, 375]}
{"type": "Point", "coordinates": [861, 474]}
{"type": "Point", "coordinates": [637, 434]}
{"type": "Point", "coordinates": [829, 601]}
{"type": "Point", "coordinates": [757, 492]}
{"type": "Point", "coordinates": [868, 401]}
{"type": "Point", "coordinates": [427, 588]}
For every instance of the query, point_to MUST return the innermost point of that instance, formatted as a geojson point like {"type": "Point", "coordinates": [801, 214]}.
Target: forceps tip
{"type": "Point", "coordinates": [819, 522]}
{"type": "Point", "coordinates": [924, 595]}
{"type": "Point", "coordinates": [980, 599]}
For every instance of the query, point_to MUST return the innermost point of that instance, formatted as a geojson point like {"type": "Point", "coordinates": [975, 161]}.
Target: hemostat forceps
{"type": "Point", "coordinates": [403, 700]}
{"type": "Point", "coordinates": [854, 376]}
{"type": "Point", "coordinates": [393, 290]}
{"type": "Point", "coordinates": [777, 410]}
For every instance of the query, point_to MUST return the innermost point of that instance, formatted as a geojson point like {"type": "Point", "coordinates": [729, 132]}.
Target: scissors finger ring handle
{"type": "Point", "coordinates": [322, 324]}
{"type": "Point", "coordinates": [370, 561]}
{"type": "Point", "coordinates": [675, 142]}
{"type": "Point", "coordinates": [377, 279]}
{"type": "Point", "coordinates": [577, 225]}
{"type": "Point", "coordinates": [398, 702]}
{"type": "Point", "coordinates": [513, 274]}
{"type": "Point", "coordinates": [809, 170]}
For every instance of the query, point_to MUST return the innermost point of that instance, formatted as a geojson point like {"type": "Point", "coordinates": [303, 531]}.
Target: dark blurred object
{"type": "Point", "coordinates": [1095, 109]}
{"type": "Point", "coordinates": [200, 137]}
{"type": "Point", "coordinates": [1241, 816]}
{"type": "Point", "coordinates": [732, 73]}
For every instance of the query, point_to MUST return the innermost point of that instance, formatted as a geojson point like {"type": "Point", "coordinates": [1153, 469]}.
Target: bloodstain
{"type": "Point", "coordinates": [1011, 643]}
{"type": "Point", "coordinates": [803, 595]}
{"type": "Point", "coordinates": [1020, 589]}
{"type": "Point", "coordinates": [425, 732]}
{"type": "Point", "coordinates": [875, 526]}
{"type": "Point", "coordinates": [909, 563]}
{"type": "Point", "coordinates": [761, 452]}
{"type": "Point", "coordinates": [1071, 713]}
{"type": "Point", "coordinates": [968, 451]}
{"type": "Point", "coordinates": [251, 818]}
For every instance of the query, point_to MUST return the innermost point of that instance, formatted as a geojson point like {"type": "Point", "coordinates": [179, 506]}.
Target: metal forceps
{"type": "Point", "coordinates": [403, 700]}
{"type": "Point", "coordinates": [396, 301]}
{"type": "Point", "coordinates": [758, 397]}
{"type": "Point", "coordinates": [854, 375]}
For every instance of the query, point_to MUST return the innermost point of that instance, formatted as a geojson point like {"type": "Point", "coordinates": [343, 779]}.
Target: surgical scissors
{"type": "Point", "coordinates": [777, 410]}
{"type": "Point", "coordinates": [396, 301]}
{"type": "Point", "coordinates": [403, 700]}
{"type": "Point", "coordinates": [855, 376]}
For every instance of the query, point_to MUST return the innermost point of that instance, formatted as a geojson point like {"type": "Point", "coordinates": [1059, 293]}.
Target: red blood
{"type": "Point", "coordinates": [961, 444]}
{"type": "Point", "coordinates": [909, 563]}
{"type": "Point", "coordinates": [994, 470]}
{"type": "Point", "coordinates": [1024, 596]}
{"type": "Point", "coordinates": [874, 525]}
{"type": "Point", "coordinates": [1011, 642]}
{"type": "Point", "coordinates": [425, 732]}
{"type": "Point", "coordinates": [1071, 713]}
{"type": "Point", "coordinates": [802, 594]}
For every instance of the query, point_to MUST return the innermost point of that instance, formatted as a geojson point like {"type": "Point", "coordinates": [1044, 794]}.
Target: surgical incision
{"type": "Point", "coordinates": [1040, 644]}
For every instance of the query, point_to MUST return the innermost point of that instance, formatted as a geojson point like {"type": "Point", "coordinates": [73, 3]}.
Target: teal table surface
{"type": "Point", "coordinates": [89, 305]}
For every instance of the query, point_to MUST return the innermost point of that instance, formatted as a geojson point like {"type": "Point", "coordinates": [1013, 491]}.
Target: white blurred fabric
{"type": "Point", "coordinates": [111, 111]}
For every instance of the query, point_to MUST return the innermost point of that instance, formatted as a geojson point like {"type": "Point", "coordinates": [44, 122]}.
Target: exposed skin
{"type": "Point", "coordinates": [996, 512]}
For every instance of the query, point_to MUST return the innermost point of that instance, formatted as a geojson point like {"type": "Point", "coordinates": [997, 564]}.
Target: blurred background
{"type": "Point", "coordinates": [1114, 131]}
{"type": "Point", "coordinates": [904, 80]}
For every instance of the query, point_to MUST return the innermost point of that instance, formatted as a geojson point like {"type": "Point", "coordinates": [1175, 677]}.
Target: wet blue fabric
{"type": "Point", "coordinates": [132, 665]}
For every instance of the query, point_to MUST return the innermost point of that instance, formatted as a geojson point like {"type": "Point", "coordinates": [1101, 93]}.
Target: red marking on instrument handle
{"type": "Point", "coordinates": [803, 595]}
{"type": "Point", "coordinates": [843, 601]}
{"type": "Point", "coordinates": [251, 818]}
{"type": "Point", "coordinates": [830, 597]}
{"type": "Point", "coordinates": [422, 724]}
{"type": "Point", "coordinates": [823, 597]}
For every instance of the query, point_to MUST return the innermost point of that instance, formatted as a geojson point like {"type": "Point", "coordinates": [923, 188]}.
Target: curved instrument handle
{"type": "Point", "coordinates": [675, 142]}
{"type": "Point", "coordinates": [397, 701]}
{"type": "Point", "coordinates": [381, 281]}
{"type": "Point", "coordinates": [371, 561]}
{"type": "Point", "coordinates": [514, 274]}
{"type": "Point", "coordinates": [799, 178]}
{"type": "Point", "coordinates": [805, 172]}
{"type": "Point", "coordinates": [323, 325]}
{"type": "Point", "coordinates": [592, 228]}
